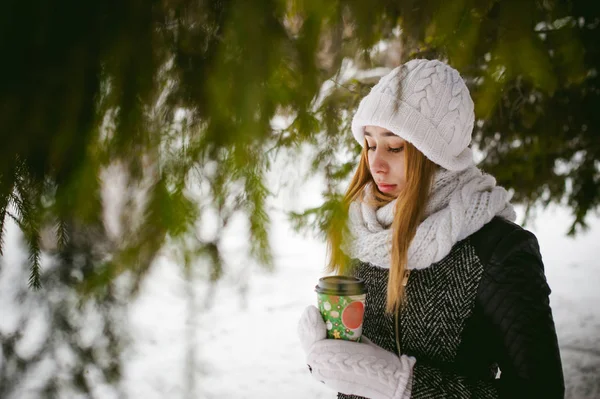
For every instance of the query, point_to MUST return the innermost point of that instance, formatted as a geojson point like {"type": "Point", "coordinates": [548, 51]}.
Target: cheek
{"type": "Point", "coordinates": [399, 170]}
{"type": "Point", "coordinates": [370, 163]}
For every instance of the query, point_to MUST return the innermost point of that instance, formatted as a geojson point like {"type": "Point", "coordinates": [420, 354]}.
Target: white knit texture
{"type": "Point", "coordinates": [311, 327]}
{"type": "Point", "coordinates": [460, 203]}
{"type": "Point", "coordinates": [426, 103]}
{"type": "Point", "coordinates": [361, 369]}
{"type": "Point", "coordinates": [353, 368]}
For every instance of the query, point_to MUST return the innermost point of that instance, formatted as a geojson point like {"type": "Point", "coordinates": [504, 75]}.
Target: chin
{"type": "Point", "coordinates": [392, 194]}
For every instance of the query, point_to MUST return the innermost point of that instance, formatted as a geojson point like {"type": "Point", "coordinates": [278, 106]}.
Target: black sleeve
{"type": "Point", "coordinates": [514, 296]}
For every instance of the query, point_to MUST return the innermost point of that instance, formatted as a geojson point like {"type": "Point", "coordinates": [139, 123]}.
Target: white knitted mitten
{"type": "Point", "coordinates": [354, 368]}
{"type": "Point", "coordinates": [311, 327]}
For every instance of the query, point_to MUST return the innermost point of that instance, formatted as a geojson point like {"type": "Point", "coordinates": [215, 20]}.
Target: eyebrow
{"type": "Point", "coordinates": [386, 134]}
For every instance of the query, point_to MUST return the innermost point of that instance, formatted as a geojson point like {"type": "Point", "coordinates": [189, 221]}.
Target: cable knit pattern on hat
{"type": "Point", "coordinates": [460, 203]}
{"type": "Point", "coordinates": [426, 103]}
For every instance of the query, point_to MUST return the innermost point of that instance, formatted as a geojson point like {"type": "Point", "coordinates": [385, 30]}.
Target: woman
{"type": "Point", "coordinates": [457, 303]}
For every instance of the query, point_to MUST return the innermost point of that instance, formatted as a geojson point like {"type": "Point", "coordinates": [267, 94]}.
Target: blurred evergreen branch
{"type": "Point", "coordinates": [179, 95]}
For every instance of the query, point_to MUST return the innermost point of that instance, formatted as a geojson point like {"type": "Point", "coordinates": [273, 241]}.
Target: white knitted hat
{"type": "Point", "coordinates": [433, 111]}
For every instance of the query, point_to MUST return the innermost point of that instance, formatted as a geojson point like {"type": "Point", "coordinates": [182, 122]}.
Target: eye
{"type": "Point", "coordinates": [371, 148]}
{"type": "Point", "coordinates": [395, 150]}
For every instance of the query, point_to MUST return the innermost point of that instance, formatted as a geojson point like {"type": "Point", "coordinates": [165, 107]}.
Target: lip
{"type": "Point", "coordinates": [386, 188]}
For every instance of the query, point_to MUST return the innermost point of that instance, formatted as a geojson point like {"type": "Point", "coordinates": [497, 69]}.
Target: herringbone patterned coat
{"type": "Point", "coordinates": [478, 322]}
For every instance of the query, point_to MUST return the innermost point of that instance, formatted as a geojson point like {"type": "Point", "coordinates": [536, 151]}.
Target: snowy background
{"type": "Point", "coordinates": [237, 339]}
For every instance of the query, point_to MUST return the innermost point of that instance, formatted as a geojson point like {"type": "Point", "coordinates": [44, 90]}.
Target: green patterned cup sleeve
{"type": "Point", "coordinates": [343, 315]}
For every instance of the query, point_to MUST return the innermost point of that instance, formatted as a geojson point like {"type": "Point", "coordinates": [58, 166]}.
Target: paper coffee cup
{"type": "Point", "coordinates": [341, 301]}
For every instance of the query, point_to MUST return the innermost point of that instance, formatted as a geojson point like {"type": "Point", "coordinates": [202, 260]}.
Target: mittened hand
{"type": "Point", "coordinates": [362, 369]}
{"type": "Point", "coordinates": [353, 368]}
{"type": "Point", "coordinates": [311, 328]}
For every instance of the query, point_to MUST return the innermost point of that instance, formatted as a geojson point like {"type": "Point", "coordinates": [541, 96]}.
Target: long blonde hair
{"type": "Point", "coordinates": [408, 214]}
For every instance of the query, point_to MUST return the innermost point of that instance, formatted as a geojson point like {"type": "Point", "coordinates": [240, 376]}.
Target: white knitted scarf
{"type": "Point", "coordinates": [460, 203]}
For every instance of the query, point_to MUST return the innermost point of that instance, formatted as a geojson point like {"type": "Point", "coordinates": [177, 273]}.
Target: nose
{"type": "Point", "coordinates": [378, 162]}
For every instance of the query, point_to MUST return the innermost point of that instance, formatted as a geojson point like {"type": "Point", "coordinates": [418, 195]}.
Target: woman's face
{"type": "Point", "coordinates": [386, 159]}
